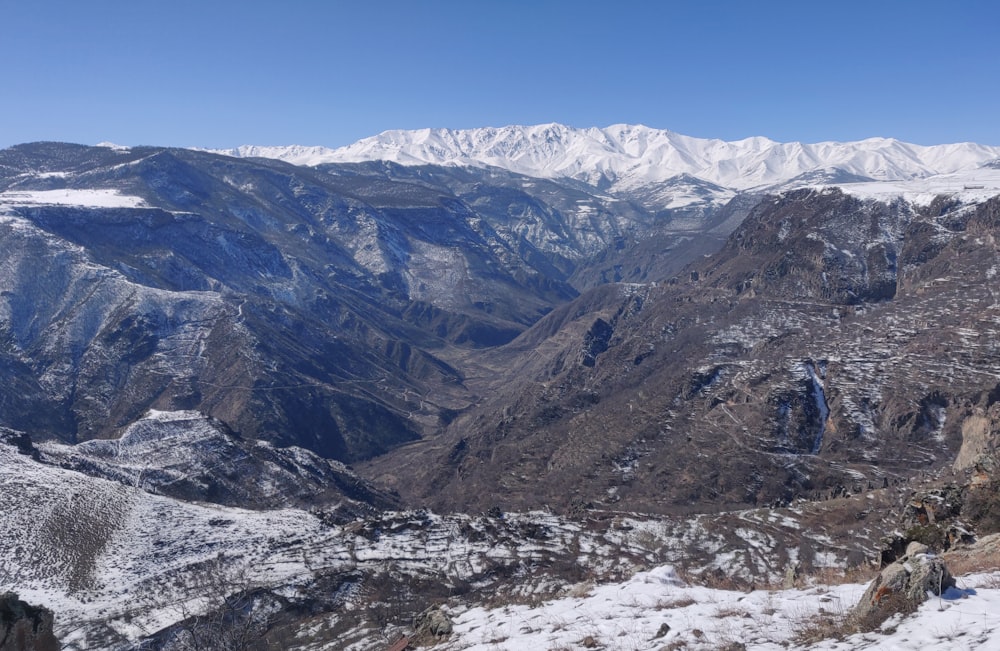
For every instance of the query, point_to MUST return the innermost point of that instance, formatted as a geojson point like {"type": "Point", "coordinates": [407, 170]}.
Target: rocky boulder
{"type": "Point", "coordinates": [432, 623]}
{"type": "Point", "coordinates": [20, 440]}
{"type": "Point", "coordinates": [903, 585]}
{"type": "Point", "coordinates": [24, 627]}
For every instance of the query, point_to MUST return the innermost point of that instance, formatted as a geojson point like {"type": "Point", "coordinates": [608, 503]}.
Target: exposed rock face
{"type": "Point", "coordinates": [903, 585]}
{"type": "Point", "coordinates": [432, 623]}
{"type": "Point", "coordinates": [24, 627]}
{"type": "Point", "coordinates": [20, 440]}
{"type": "Point", "coordinates": [978, 442]}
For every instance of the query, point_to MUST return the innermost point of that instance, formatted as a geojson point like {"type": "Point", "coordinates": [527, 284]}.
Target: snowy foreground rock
{"type": "Point", "coordinates": [905, 584]}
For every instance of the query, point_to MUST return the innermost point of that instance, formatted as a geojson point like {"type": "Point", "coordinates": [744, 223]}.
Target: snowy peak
{"type": "Point", "coordinates": [631, 156]}
{"type": "Point", "coordinates": [294, 154]}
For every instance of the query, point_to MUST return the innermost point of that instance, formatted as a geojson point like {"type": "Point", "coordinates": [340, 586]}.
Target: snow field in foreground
{"type": "Point", "coordinates": [629, 616]}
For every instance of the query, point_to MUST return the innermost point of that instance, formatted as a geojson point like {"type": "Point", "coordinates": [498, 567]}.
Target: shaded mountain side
{"type": "Point", "coordinates": [334, 308]}
{"type": "Point", "coordinates": [683, 237]}
{"type": "Point", "coordinates": [833, 343]}
{"type": "Point", "coordinates": [589, 239]}
{"type": "Point", "coordinates": [99, 349]}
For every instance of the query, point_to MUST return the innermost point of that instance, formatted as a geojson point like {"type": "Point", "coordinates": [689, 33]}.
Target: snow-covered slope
{"type": "Point", "coordinates": [185, 455]}
{"type": "Point", "coordinates": [655, 610]}
{"type": "Point", "coordinates": [117, 565]}
{"type": "Point", "coordinates": [294, 154]}
{"type": "Point", "coordinates": [968, 186]}
{"type": "Point", "coordinates": [631, 156]}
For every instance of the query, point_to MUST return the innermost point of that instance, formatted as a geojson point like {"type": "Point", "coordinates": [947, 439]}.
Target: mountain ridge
{"type": "Point", "coordinates": [628, 156]}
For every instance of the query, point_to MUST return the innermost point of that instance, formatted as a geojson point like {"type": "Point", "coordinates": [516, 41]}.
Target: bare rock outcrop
{"type": "Point", "coordinates": [903, 585]}
{"type": "Point", "coordinates": [432, 623]}
{"type": "Point", "coordinates": [24, 627]}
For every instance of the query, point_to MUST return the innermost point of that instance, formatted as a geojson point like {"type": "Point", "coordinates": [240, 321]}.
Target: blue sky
{"type": "Point", "coordinates": [224, 73]}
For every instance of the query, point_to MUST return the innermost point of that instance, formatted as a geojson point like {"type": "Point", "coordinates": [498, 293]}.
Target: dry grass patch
{"type": "Point", "coordinates": [839, 575]}
{"type": "Point", "coordinates": [715, 579]}
{"type": "Point", "coordinates": [675, 645]}
{"type": "Point", "coordinates": [840, 623]}
{"type": "Point", "coordinates": [811, 629]}
{"type": "Point", "coordinates": [671, 604]}
{"type": "Point", "coordinates": [724, 612]}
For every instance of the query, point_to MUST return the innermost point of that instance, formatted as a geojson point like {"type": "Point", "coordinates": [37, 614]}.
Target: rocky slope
{"type": "Point", "coordinates": [187, 456]}
{"type": "Point", "coordinates": [833, 344]}
{"type": "Point", "coordinates": [24, 627]}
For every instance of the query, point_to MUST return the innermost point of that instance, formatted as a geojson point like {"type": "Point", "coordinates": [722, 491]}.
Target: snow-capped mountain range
{"type": "Point", "coordinates": [630, 156]}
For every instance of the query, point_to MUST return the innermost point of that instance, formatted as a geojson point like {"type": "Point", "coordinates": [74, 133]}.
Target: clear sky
{"type": "Point", "coordinates": [221, 73]}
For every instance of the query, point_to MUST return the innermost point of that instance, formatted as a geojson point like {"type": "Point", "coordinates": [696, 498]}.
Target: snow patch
{"type": "Point", "coordinates": [646, 613]}
{"type": "Point", "coordinates": [111, 145]}
{"type": "Point", "coordinates": [92, 198]}
{"type": "Point", "coordinates": [172, 416]}
{"type": "Point", "coordinates": [968, 186]}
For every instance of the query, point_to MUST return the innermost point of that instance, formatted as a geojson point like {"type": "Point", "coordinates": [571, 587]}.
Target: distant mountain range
{"type": "Point", "coordinates": [624, 156]}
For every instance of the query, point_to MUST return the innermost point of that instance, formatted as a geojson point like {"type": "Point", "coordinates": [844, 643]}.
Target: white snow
{"type": "Point", "coordinates": [294, 154]}
{"type": "Point", "coordinates": [628, 617]}
{"type": "Point", "coordinates": [172, 416]}
{"type": "Point", "coordinates": [969, 186]}
{"type": "Point", "coordinates": [111, 145]}
{"type": "Point", "coordinates": [90, 198]}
